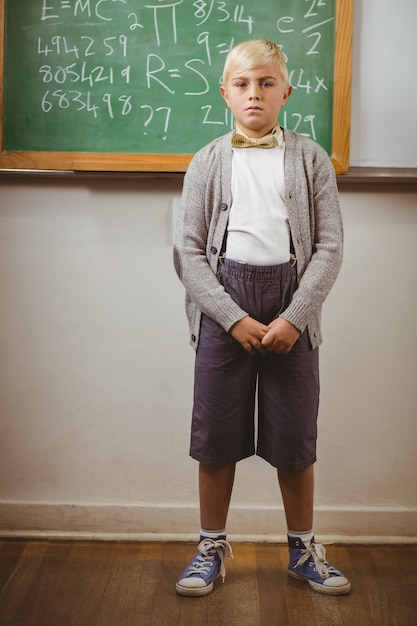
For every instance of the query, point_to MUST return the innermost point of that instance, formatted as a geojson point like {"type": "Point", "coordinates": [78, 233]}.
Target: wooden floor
{"type": "Point", "coordinates": [83, 583]}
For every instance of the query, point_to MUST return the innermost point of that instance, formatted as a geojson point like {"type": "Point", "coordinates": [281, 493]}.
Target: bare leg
{"type": "Point", "coordinates": [297, 493]}
{"type": "Point", "coordinates": [297, 489]}
{"type": "Point", "coordinates": [215, 486]}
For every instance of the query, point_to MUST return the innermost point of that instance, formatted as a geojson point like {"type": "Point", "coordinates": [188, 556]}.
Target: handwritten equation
{"type": "Point", "coordinates": [149, 68]}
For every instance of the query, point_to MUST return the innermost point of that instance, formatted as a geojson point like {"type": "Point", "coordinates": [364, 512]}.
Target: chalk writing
{"type": "Point", "coordinates": [157, 63]}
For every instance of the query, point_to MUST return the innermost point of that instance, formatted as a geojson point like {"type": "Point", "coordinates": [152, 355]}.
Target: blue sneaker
{"type": "Point", "coordinates": [207, 566]}
{"type": "Point", "coordinates": [310, 565]}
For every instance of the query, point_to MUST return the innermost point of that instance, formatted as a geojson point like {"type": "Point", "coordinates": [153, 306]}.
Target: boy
{"type": "Point", "coordinates": [258, 248]}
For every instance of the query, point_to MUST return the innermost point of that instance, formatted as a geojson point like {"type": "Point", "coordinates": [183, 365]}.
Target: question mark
{"type": "Point", "coordinates": [147, 106]}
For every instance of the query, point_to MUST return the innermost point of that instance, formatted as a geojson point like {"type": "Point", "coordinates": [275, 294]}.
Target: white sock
{"type": "Point", "coordinates": [212, 534]}
{"type": "Point", "coordinates": [305, 536]}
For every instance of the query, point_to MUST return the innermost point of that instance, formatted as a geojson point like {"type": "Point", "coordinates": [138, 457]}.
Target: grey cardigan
{"type": "Point", "coordinates": [312, 202]}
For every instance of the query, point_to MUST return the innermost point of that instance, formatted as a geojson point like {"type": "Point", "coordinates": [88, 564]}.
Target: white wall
{"type": "Point", "coordinates": [96, 371]}
{"type": "Point", "coordinates": [384, 90]}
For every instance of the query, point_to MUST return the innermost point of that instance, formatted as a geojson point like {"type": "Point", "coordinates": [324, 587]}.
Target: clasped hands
{"type": "Point", "coordinates": [279, 336]}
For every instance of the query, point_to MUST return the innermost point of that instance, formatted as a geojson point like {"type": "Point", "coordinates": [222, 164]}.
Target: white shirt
{"type": "Point", "coordinates": [258, 229]}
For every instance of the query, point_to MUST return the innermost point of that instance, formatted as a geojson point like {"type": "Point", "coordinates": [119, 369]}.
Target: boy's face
{"type": "Point", "coordinates": [255, 98]}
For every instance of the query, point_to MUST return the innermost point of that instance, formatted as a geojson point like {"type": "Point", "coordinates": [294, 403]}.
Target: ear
{"type": "Point", "coordinates": [286, 95]}
{"type": "Point", "coordinates": [224, 95]}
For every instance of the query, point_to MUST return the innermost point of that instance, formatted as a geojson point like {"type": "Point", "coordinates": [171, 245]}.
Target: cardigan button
{"type": "Point", "coordinates": [223, 206]}
{"type": "Point", "coordinates": [213, 250]}
{"type": "Point", "coordinates": [193, 338]}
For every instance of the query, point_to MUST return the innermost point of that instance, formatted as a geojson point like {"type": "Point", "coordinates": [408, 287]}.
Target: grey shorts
{"type": "Point", "coordinates": [228, 380]}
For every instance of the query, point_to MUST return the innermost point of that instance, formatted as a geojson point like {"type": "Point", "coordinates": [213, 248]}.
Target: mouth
{"type": "Point", "coordinates": [254, 108]}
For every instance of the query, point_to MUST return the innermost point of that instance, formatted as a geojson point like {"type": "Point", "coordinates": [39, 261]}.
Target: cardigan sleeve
{"type": "Point", "coordinates": [199, 235]}
{"type": "Point", "coordinates": [317, 230]}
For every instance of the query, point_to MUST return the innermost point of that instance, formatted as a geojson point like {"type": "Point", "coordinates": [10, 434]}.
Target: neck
{"type": "Point", "coordinates": [274, 130]}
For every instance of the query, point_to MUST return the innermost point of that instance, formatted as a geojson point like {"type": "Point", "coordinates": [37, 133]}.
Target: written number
{"type": "Point", "coordinates": [204, 10]}
{"type": "Point", "coordinates": [73, 74]}
{"type": "Point", "coordinates": [66, 99]}
{"type": "Point", "coordinates": [297, 119]}
{"type": "Point", "coordinates": [61, 74]}
{"type": "Point", "coordinates": [311, 12]}
{"type": "Point", "coordinates": [59, 45]}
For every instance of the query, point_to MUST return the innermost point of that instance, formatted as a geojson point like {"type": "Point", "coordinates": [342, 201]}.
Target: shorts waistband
{"type": "Point", "coordinates": [258, 272]}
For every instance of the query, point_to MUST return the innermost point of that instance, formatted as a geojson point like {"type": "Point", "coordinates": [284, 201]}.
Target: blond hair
{"type": "Point", "coordinates": [248, 55]}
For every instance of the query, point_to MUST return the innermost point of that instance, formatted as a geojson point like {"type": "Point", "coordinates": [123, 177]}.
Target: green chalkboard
{"type": "Point", "coordinates": [129, 77]}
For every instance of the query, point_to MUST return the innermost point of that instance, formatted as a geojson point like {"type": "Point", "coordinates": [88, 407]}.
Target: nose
{"type": "Point", "coordinates": [254, 93]}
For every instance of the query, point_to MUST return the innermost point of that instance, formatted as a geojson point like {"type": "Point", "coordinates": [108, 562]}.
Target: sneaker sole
{"type": "Point", "coordinates": [328, 591]}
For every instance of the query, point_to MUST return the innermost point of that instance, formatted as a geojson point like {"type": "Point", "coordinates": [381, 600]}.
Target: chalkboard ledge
{"type": "Point", "coordinates": [379, 175]}
{"type": "Point", "coordinates": [354, 175]}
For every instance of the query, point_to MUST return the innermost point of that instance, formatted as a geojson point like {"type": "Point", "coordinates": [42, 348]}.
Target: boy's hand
{"type": "Point", "coordinates": [250, 333]}
{"type": "Point", "coordinates": [281, 336]}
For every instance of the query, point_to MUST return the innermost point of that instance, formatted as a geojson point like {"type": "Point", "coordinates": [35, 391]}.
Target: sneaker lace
{"type": "Point", "coordinates": [318, 553]}
{"type": "Point", "coordinates": [208, 550]}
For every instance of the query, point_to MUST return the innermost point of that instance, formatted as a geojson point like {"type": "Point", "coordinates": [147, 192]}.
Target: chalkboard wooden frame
{"type": "Point", "coordinates": [117, 162]}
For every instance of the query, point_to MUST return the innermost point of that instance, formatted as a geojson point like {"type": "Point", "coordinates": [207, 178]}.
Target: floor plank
{"type": "Point", "coordinates": [19, 592]}
{"type": "Point", "coordinates": [70, 583]}
{"type": "Point", "coordinates": [167, 606]}
{"type": "Point", "coordinates": [352, 607]}
{"type": "Point", "coordinates": [70, 576]}
{"type": "Point", "coordinates": [271, 567]}
{"type": "Point", "coordinates": [123, 593]}
{"type": "Point", "coordinates": [42, 597]}
{"type": "Point", "coordinates": [94, 577]}
{"type": "Point", "coordinates": [10, 553]}
{"type": "Point", "coordinates": [400, 594]}
{"type": "Point", "coordinates": [368, 582]}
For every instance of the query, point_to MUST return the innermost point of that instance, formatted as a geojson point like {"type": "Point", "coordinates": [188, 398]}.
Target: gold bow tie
{"type": "Point", "coordinates": [268, 141]}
